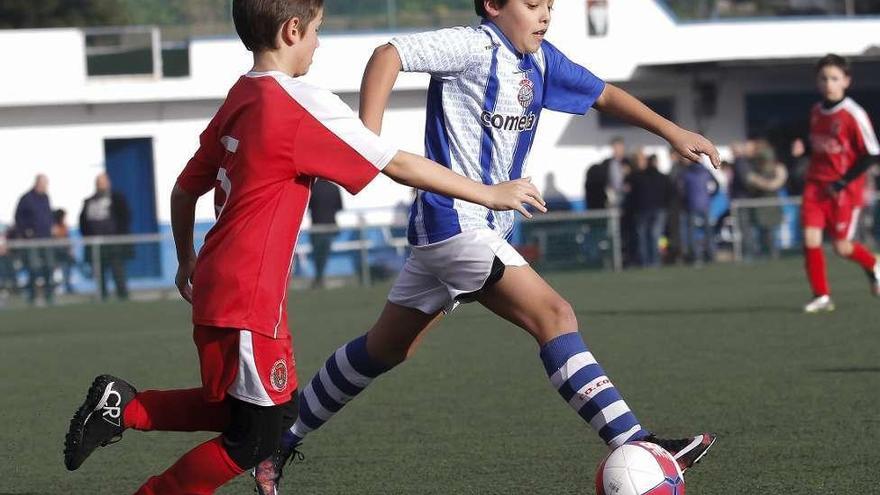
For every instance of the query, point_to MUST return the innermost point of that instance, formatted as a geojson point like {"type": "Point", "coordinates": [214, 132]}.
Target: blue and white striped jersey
{"type": "Point", "coordinates": [484, 103]}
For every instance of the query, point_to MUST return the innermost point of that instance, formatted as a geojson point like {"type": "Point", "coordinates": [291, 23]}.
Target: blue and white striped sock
{"type": "Point", "coordinates": [345, 374]}
{"type": "Point", "coordinates": [583, 384]}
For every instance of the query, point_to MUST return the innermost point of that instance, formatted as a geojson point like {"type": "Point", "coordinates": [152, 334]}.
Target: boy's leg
{"type": "Point", "coordinates": [846, 225]}
{"type": "Point", "coordinates": [253, 434]}
{"type": "Point", "coordinates": [356, 364]}
{"type": "Point", "coordinates": [175, 410]}
{"type": "Point", "coordinates": [345, 374]}
{"type": "Point", "coordinates": [816, 213]}
{"type": "Point", "coordinates": [526, 300]}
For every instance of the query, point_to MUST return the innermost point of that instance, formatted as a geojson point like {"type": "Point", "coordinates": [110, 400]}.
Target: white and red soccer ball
{"type": "Point", "coordinates": [639, 468]}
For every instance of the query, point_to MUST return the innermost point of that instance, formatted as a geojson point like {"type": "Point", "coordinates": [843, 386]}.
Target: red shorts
{"type": "Point", "coordinates": [839, 215]}
{"type": "Point", "coordinates": [248, 366]}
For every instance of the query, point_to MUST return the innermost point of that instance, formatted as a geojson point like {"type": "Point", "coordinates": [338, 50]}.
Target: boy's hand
{"type": "Point", "coordinates": [183, 280]}
{"type": "Point", "coordinates": [691, 145]}
{"type": "Point", "coordinates": [513, 195]}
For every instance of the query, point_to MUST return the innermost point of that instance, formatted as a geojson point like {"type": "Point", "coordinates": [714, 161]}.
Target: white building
{"type": "Point", "coordinates": [725, 78]}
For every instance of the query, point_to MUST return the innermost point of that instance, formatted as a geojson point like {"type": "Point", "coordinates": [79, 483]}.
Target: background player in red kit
{"type": "Point", "coordinates": [844, 147]}
{"type": "Point", "coordinates": [261, 153]}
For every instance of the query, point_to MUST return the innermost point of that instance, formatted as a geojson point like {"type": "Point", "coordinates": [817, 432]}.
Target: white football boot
{"type": "Point", "coordinates": [874, 277]}
{"type": "Point", "coordinates": [822, 304]}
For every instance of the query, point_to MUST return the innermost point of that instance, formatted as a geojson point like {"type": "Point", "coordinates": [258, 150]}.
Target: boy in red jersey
{"type": "Point", "coordinates": [844, 147]}
{"type": "Point", "coordinates": [261, 153]}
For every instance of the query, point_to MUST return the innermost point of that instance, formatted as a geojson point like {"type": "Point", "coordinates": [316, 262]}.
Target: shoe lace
{"type": "Point", "coordinates": [293, 456]}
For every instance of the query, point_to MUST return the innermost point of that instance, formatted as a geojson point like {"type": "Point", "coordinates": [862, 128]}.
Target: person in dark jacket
{"type": "Point", "coordinates": [649, 196]}
{"type": "Point", "coordinates": [325, 203]}
{"type": "Point", "coordinates": [106, 213]}
{"type": "Point", "coordinates": [697, 185]}
{"type": "Point", "coordinates": [603, 187]}
{"type": "Point", "coordinates": [33, 221]}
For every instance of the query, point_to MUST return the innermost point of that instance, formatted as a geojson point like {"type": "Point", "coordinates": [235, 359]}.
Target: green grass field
{"type": "Point", "coordinates": [795, 399]}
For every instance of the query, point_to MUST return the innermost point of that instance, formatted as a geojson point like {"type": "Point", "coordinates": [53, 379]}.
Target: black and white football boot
{"type": "Point", "coordinates": [685, 451]}
{"type": "Point", "coordinates": [98, 422]}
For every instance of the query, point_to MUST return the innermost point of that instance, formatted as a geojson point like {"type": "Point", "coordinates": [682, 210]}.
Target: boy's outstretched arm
{"type": "Point", "coordinates": [379, 78]}
{"type": "Point", "coordinates": [415, 171]}
{"type": "Point", "coordinates": [183, 214]}
{"type": "Point", "coordinates": [624, 106]}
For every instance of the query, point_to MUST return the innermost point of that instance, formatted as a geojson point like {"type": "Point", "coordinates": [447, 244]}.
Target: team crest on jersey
{"type": "Point", "coordinates": [278, 375]}
{"type": "Point", "coordinates": [526, 93]}
{"type": "Point", "coordinates": [835, 127]}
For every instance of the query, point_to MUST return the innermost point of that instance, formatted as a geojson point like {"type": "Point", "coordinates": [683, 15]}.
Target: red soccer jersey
{"type": "Point", "coordinates": [261, 153]}
{"type": "Point", "coordinates": [839, 137]}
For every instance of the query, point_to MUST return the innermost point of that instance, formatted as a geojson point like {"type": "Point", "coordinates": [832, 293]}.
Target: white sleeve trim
{"type": "Point", "coordinates": [339, 119]}
{"type": "Point", "coordinates": [865, 128]}
{"type": "Point", "coordinates": [402, 53]}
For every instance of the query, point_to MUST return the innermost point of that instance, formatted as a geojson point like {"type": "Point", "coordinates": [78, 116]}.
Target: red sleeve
{"type": "Point", "coordinates": [200, 174]}
{"type": "Point", "coordinates": [318, 152]}
{"type": "Point", "coordinates": [331, 142]}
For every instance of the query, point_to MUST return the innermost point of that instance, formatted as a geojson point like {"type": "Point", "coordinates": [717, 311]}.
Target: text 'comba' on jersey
{"type": "Point", "coordinates": [484, 104]}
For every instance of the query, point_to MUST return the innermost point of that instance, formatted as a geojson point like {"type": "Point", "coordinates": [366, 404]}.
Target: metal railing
{"type": "Point", "coordinates": [364, 253]}
{"type": "Point", "coordinates": [725, 9]}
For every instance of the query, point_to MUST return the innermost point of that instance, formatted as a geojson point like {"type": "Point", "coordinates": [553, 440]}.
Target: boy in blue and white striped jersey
{"type": "Point", "coordinates": [488, 87]}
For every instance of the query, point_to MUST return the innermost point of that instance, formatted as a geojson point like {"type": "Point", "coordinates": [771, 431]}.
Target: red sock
{"type": "Point", "coordinates": [175, 410]}
{"type": "Point", "coordinates": [863, 257]}
{"type": "Point", "coordinates": [200, 471]}
{"type": "Point", "coordinates": [815, 265]}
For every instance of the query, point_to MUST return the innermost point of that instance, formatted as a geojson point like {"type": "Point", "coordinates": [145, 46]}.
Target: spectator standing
{"type": "Point", "coordinates": [63, 254]}
{"type": "Point", "coordinates": [766, 181]}
{"type": "Point", "coordinates": [325, 203]}
{"type": "Point", "coordinates": [696, 185]}
{"type": "Point", "coordinates": [106, 213]}
{"type": "Point", "coordinates": [675, 250]}
{"type": "Point", "coordinates": [555, 199]}
{"type": "Point", "coordinates": [649, 196]}
{"type": "Point", "coordinates": [33, 220]}
{"type": "Point", "coordinates": [603, 187]}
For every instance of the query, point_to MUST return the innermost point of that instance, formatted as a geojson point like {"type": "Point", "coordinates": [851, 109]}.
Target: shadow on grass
{"type": "Point", "coordinates": [727, 310]}
{"type": "Point", "coordinates": [844, 369]}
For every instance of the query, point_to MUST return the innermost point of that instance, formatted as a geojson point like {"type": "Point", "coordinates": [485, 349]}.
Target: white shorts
{"type": "Point", "coordinates": [435, 275]}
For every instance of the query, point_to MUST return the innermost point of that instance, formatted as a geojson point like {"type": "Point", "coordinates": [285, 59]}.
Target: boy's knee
{"type": "Point", "coordinates": [843, 248]}
{"type": "Point", "coordinates": [558, 318]}
{"type": "Point", "coordinates": [255, 431]}
{"type": "Point", "coordinates": [565, 315]}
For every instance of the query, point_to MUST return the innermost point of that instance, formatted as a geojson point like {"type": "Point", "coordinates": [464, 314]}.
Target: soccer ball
{"type": "Point", "coordinates": [639, 468]}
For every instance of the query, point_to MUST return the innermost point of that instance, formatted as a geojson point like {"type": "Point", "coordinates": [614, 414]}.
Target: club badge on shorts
{"type": "Point", "coordinates": [278, 375]}
{"type": "Point", "coordinates": [526, 92]}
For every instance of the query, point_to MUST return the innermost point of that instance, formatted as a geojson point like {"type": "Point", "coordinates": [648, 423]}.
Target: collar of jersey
{"type": "Point", "coordinates": [256, 73]}
{"type": "Point", "coordinates": [494, 29]}
{"type": "Point", "coordinates": [835, 108]}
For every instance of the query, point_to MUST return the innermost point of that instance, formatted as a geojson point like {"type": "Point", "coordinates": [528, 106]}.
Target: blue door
{"type": "Point", "coordinates": [129, 163]}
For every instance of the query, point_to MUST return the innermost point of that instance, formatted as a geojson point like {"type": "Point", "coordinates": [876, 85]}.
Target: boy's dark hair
{"type": "Point", "coordinates": [481, 8]}
{"type": "Point", "coordinates": [832, 60]}
{"type": "Point", "coordinates": [257, 21]}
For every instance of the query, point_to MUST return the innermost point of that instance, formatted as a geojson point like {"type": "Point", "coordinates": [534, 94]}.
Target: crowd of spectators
{"type": "Point", "coordinates": [105, 213]}
{"type": "Point", "coordinates": [669, 218]}
{"type": "Point", "coordinates": [666, 217]}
